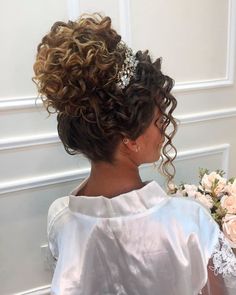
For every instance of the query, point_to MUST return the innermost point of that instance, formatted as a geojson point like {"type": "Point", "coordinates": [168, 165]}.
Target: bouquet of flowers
{"type": "Point", "coordinates": [218, 195]}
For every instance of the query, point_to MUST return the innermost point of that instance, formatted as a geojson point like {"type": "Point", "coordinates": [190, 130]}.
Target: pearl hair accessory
{"type": "Point", "coordinates": [128, 68]}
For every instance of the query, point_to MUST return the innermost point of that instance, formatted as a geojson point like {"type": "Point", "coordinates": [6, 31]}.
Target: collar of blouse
{"type": "Point", "coordinates": [134, 202]}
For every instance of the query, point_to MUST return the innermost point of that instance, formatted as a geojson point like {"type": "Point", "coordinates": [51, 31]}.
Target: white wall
{"type": "Point", "coordinates": [197, 42]}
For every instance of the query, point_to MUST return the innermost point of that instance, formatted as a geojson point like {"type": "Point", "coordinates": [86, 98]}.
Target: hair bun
{"type": "Point", "coordinates": [74, 59]}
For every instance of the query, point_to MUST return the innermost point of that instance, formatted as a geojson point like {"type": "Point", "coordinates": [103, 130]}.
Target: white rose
{"type": "Point", "coordinates": [189, 190]}
{"type": "Point", "coordinates": [208, 181]}
{"type": "Point", "coordinates": [229, 228]}
{"type": "Point", "coordinates": [220, 187]}
{"type": "Point", "coordinates": [231, 188]}
{"type": "Point", "coordinates": [172, 188]}
{"type": "Point", "coordinates": [229, 203]}
{"type": "Point", "coordinates": [205, 200]}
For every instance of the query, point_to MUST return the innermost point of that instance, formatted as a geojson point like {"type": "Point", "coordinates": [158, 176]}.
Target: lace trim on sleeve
{"type": "Point", "coordinates": [224, 260]}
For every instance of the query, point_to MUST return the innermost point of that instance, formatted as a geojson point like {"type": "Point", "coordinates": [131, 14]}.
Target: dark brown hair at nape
{"type": "Point", "coordinates": [76, 74]}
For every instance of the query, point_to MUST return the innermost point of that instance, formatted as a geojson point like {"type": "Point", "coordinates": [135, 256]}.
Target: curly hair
{"type": "Point", "coordinates": [76, 72]}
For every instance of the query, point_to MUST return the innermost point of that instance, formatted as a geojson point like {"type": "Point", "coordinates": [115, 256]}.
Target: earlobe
{"type": "Point", "coordinates": [137, 148]}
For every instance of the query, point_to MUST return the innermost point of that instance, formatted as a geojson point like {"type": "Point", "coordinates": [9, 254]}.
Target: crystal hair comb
{"type": "Point", "coordinates": [128, 68]}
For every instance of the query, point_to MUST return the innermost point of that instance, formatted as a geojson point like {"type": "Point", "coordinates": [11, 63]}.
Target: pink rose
{"type": "Point", "coordinates": [208, 181]}
{"type": "Point", "coordinates": [229, 203]}
{"type": "Point", "coordinates": [229, 228]}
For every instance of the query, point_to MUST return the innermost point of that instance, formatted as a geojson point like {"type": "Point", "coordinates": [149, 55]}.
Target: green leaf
{"type": "Point", "coordinates": [203, 171]}
{"type": "Point", "coordinates": [231, 180]}
{"type": "Point", "coordinates": [220, 172]}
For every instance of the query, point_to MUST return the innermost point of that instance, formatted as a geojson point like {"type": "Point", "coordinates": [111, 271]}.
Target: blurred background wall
{"type": "Point", "coordinates": [197, 42]}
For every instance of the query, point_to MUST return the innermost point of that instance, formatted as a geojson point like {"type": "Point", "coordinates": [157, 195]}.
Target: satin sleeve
{"type": "Point", "coordinates": [54, 212]}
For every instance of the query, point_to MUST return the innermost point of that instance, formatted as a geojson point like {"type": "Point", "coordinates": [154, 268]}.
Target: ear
{"type": "Point", "coordinates": [131, 145]}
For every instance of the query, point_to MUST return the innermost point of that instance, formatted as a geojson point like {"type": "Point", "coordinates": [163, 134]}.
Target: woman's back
{"type": "Point", "coordinates": [135, 243]}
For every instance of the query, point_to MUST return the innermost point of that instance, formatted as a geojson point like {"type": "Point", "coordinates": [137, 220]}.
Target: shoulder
{"type": "Point", "coordinates": [177, 204]}
{"type": "Point", "coordinates": [193, 216]}
{"type": "Point", "coordinates": [188, 206]}
{"type": "Point", "coordinates": [55, 210]}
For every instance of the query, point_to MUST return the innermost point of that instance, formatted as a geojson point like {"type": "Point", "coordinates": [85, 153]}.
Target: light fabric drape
{"type": "Point", "coordinates": [142, 242]}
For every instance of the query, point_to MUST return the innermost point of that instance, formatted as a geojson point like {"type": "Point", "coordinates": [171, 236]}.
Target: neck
{"type": "Point", "coordinates": [112, 179]}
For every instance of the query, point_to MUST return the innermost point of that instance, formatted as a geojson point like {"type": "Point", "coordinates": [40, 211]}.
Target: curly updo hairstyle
{"type": "Point", "coordinates": [76, 72]}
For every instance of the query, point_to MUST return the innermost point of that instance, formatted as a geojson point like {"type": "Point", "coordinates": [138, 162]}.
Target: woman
{"type": "Point", "coordinates": [116, 234]}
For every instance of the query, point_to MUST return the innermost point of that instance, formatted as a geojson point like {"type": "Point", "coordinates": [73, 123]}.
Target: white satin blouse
{"type": "Point", "coordinates": [138, 243]}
